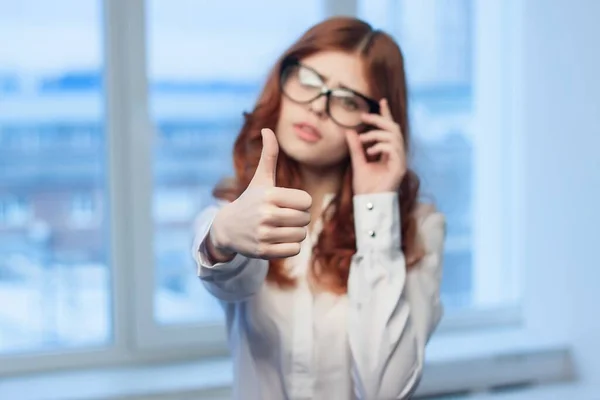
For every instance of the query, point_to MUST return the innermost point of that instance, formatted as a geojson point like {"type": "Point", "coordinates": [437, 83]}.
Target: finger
{"type": "Point", "coordinates": [285, 217]}
{"type": "Point", "coordinates": [267, 165]}
{"type": "Point", "coordinates": [282, 234]}
{"type": "Point", "coordinates": [381, 122]}
{"type": "Point", "coordinates": [383, 148]}
{"type": "Point", "coordinates": [355, 147]}
{"type": "Point", "coordinates": [385, 109]}
{"type": "Point", "coordinates": [379, 136]}
{"type": "Point", "coordinates": [278, 250]}
{"type": "Point", "coordinates": [289, 198]}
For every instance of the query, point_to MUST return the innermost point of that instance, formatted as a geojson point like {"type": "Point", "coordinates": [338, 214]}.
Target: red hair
{"type": "Point", "coordinates": [384, 66]}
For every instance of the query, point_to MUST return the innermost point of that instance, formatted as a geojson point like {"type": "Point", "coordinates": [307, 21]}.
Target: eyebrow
{"type": "Point", "coordinates": [325, 78]}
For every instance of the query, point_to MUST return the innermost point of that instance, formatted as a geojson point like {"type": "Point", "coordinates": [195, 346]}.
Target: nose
{"type": "Point", "coordinates": [319, 106]}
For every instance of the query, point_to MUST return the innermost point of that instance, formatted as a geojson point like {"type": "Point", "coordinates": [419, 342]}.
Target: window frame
{"type": "Point", "coordinates": [495, 73]}
{"type": "Point", "coordinates": [130, 135]}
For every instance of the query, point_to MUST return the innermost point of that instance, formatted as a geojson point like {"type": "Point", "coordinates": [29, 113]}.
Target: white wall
{"type": "Point", "coordinates": [561, 141]}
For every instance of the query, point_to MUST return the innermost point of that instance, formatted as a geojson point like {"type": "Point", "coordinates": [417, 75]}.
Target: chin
{"type": "Point", "coordinates": [301, 154]}
{"type": "Point", "coordinates": [312, 158]}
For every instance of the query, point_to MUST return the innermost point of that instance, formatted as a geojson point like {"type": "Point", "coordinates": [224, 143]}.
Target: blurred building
{"type": "Point", "coordinates": [53, 176]}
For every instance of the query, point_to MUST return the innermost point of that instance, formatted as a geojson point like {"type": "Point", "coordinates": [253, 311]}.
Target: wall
{"type": "Point", "coordinates": [561, 138]}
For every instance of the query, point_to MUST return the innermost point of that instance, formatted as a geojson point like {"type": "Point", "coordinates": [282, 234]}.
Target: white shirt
{"type": "Point", "coordinates": [366, 344]}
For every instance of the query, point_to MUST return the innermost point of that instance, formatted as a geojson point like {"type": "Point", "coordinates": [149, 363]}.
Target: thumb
{"type": "Point", "coordinates": [267, 166]}
{"type": "Point", "coordinates": [357, 153]}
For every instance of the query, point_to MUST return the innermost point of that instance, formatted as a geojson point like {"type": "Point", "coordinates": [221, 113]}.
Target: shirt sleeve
{"type": "Point", "coordinates": [231, 281]}
{"type": "Point", "coordinates": [392, 311]}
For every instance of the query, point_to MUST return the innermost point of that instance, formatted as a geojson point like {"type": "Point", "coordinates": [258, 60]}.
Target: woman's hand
{"type": "Point", "coordinates": [386, 173]}
{"type": "Point", "coordinates": [265, 221]}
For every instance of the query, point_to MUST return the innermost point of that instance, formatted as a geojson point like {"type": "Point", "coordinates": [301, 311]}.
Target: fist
{"type": "Point", "coordinates": [266, 221]}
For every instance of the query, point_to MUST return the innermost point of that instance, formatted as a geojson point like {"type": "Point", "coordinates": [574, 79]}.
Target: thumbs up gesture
{"type": "Point", "coordinates": [266, 221]}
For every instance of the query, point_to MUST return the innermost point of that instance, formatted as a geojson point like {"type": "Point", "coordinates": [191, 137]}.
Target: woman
{"type": "Point", "coordinates": [328, 269]}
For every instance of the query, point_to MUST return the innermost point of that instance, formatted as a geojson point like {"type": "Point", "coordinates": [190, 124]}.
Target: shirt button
{"type": "Point", "coordinates": [372, 233]}
{"type": "Point", "coordinates": [369, 206]}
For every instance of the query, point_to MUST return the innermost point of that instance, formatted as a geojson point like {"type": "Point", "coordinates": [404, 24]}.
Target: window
{"type": "Point", "coordinates": [109, 167]}
{"type": "Point", "coordinates": [54, 278]}
{"type": "Point", "coordinates": [14, 211]}
{"type": "Point", "coordinates": [459, 160]}
{"type": "Point", "coordinates": [83, 212]}
{"type": "Point", "coordinates": [197, 108]}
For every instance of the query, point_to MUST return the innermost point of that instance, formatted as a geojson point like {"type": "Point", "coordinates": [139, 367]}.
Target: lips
{"type": "Point", "coordinates": [307, 132]}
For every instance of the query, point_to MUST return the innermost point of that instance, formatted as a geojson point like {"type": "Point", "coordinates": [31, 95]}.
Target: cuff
{"type": "Point", "coordinates": [377, 221]}
{"type": "Point", "coordinates": [200, 253]}
{"type": "Point", "coordinates": [204, 262]}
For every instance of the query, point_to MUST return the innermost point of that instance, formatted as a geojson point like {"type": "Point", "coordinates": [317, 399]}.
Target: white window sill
{"type": "Point", "coordinates": [201, 379]}
{"type": "Point", "coordinates": [492, 360]}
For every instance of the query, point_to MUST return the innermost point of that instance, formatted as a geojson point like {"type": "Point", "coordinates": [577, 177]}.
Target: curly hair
{"type": "Point", "coordinates": [336, 245]}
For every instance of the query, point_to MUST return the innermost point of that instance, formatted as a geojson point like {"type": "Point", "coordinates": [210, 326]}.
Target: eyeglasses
{"type": "Point", "coordinates": [302, 84]}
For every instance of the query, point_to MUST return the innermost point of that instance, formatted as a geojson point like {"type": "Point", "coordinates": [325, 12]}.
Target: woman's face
{"type": "Point", "coordinates": [305, 131]}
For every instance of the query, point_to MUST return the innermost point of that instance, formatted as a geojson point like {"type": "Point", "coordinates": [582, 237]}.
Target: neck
{"type": "Point", "coordinates": [319, 183]}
